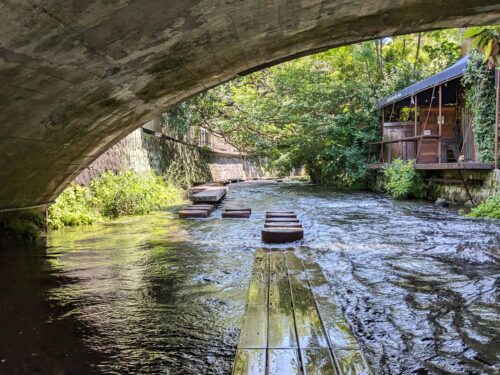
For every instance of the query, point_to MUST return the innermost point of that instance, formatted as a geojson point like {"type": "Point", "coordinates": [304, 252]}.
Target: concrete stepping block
{"type": "Point", "coordinates": [282, 225]}
{"type": "Point", "coordinates": [197, 209]}
{"type": "Point", "coordinates": [240, 214]}
{"type": "Point", "coordinates": [280, 212]}
{"type": "Point", "coordinates": [238, 209]}
{"type": "Point", "coordinates": [187, 214]}
{"type": "Point", "coordinates": [282, 235]}
{"type": "Point", "coordinates": [282, 220]}
{"type": "Point", "coordinates": [293, 216]}
{"type": "Point", "coordinates": [200, 207]}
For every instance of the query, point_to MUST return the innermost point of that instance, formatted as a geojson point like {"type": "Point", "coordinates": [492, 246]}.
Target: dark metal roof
{"type": "Point", "coordinates": [452, 72]}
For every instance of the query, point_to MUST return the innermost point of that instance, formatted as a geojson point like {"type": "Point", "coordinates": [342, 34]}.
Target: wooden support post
{"type": "Point", "coordinates": [416, 120]}
{"type": "Point", "coordinates": [497, 72]}
{"type": "Point", "coordinates": [416, 117]}
{"type": "Point", "coordinates": [440, 122]}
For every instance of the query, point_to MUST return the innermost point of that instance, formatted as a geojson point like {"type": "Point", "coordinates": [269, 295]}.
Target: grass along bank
{"type": "Point", "coordinates": [110, 196]}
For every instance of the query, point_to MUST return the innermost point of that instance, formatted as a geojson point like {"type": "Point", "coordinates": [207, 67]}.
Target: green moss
{"type": "Point", "coordinates": [489, 208]}
{"type": "Point", "coordinates": [110, 196]}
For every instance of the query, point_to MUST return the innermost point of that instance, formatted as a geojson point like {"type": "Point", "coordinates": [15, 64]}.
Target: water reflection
{"type": "Point", "coordinates": [149, 294]}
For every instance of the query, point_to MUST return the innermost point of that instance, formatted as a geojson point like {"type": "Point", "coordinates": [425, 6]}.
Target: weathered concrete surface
{"type": "Point", "coordinates": [77, 76]}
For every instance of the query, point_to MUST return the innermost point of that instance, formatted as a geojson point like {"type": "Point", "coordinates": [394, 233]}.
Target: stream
{"type": "Point", "coordinates": [155, 294]}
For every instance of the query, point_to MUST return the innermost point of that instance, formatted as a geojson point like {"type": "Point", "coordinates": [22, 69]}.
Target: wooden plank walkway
{"type": "Point", "coordinates": [286, 329]}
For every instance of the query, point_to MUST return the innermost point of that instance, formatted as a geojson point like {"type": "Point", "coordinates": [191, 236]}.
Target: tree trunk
{"type": "Point", "coordinates": [419, 41]}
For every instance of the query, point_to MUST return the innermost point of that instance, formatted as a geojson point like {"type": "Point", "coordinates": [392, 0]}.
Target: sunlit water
{"type": "Point", "coordinates": [155, 294]}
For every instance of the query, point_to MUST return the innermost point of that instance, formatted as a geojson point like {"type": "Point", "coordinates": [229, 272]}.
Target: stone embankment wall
{"type": "Point", "coordinates": [146, 150]}
{"type": "Point", "coordinates": [457, 193]}
{"type": "Point", "coordinates": [449, 185]}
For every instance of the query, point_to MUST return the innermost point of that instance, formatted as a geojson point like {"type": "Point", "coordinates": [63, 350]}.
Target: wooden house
{"type": "Point", "coordinates": [429, 122]}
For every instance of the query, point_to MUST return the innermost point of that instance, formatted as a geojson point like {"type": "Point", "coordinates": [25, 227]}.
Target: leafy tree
{"type": "Point", "coordinates": [318, 111]}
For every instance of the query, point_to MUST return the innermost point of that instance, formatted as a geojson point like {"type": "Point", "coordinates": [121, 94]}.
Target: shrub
{"type": "Point", "coordinates": [128, 193]}
{"type": "Point", "coordinates": [403, 181]}
{"type": "Point", "coordinates": [489, 208]}
{"type": "Point", "coordinates": [112, 195]}
{"type": "Point", "coordinates": [73, 207]}
{"type": "Point", "coordinates": [25, 226]}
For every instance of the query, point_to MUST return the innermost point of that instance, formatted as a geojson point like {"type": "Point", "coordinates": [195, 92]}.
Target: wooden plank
{"type": "Point", "coordinates": [250, 362]}
{"type": "Point", "coordinates": [339, 334]}
{"type": "Point", "coordinates": [309, 328]}
{"type": "Point", "coordinates": [260, 272]}
{"type": "Point", "coordinates": [253, 334]}
{"type": "Point", "coordinates": [310, 333]}
{"type": "Point", "coordinates": [279, 287]}
{"type": "Point", "coordinates": [301, 293]}
{"type": "Point", "coordinates": [284, 361]}
{"type": "Point", "coordinates": [351, 362]}
{"type": "Point", "coordinates": [318, 362]}
{"type": "Point", "coordinates": [281, 334]}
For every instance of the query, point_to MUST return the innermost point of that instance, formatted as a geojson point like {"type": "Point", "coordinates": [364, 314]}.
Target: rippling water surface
{"type": "Point", "coordinates": [155, 294]}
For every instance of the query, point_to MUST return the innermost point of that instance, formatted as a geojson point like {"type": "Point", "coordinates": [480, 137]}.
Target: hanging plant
{"type": "Point", "coordinates": [480, 98]}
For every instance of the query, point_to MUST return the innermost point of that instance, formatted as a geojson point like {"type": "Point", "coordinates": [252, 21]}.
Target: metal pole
{"type": "Point", "coordinates": [416, 118]}
{"type": "Point", "coordinates": [497, 71]}
{"type": "Point", "coordinates": [440, 121]}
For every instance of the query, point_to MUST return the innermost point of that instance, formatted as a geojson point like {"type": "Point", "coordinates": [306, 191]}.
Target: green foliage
{"type": "Point", "coordinates": [403, 181]}
{"type": "Point", "coordinates": [480, 99]}
{"type": "Point", "coordinates": [318, 111]}
{"type": "Point", "coordinates": [26, 226]}
{"type": "Point", "coordinates": [128, 193]}
{"type": "Point", "coordinates": [487, 40]}
{"type": "Point", "coordinates": [74, 206]}
{"type": "Point", "coordinates": [490, 208]}
{"type": "Point", "coordinates": [112, 195]}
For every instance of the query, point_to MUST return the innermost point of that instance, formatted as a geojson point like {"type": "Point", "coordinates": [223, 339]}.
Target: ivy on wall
{"type": "Point", "coordinates": [480, 98]}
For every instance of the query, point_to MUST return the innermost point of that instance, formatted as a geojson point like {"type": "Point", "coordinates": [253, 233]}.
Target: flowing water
{"type": "Point", "coordinates": [155, 294]}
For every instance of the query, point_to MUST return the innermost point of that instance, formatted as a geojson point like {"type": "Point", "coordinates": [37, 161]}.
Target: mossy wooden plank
{"type": "Point", "coordinates": [260, 271]}
{"type": "Point", "coordinates": [284, 361]}
{"type": "Point", "coordinates": [301, 293]}
{"type": "Point", "coordinates": [309, 329]}
{"type": "Point", "coordinates": [279, 287]}
{"type": "Point", "coordinates": [318, 362]}
{"type": "Point", "coordinates": [351, 362]}
{"type": "Point", "coordinates": [281, 332]}
{"type": "Point", "coordinates": [253, 334]}
{"type": "Point", "coordinates": [250, 362]}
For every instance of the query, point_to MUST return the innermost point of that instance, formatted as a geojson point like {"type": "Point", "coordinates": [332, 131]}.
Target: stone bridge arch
{"type": "Point", "coordinates": [77, 76]}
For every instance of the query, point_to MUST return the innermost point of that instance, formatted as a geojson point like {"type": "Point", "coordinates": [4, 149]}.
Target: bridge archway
{"type": "Point", "coordinates": [78, 76]}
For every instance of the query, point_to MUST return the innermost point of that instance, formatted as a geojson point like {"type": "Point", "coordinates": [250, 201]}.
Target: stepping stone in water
{"type": "Point", "coordinates": [282, 234]}
{"type": "Point", "coordinates": [282, 225]}
{"type": "Point", "coordinates": [279, 212]}
{"type": "Point", "coordinates": [237, 209]}
{"type": "Point", "coordinates": [210, 206]}
{"type": "Point", "coordinates": [210, 195]}
{"type": "Point", "coordinates": [240, 214]}
{"type": "Point", "coordinates": [197, 209]}
{"type": "Point", "coordinates": [187, 214]}
{"type": "Point", "coordinates": [293, 216]}
{"type": "Point", "coordinates": [282, 220]}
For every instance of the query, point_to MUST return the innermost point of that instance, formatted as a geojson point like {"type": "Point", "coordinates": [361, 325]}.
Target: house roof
{"type": "Point", "coordinates": [450, 73]}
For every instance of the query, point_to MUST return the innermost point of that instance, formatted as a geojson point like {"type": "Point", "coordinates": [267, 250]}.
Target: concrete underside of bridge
{"type": "Point", "coordinates": [77, 76]}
